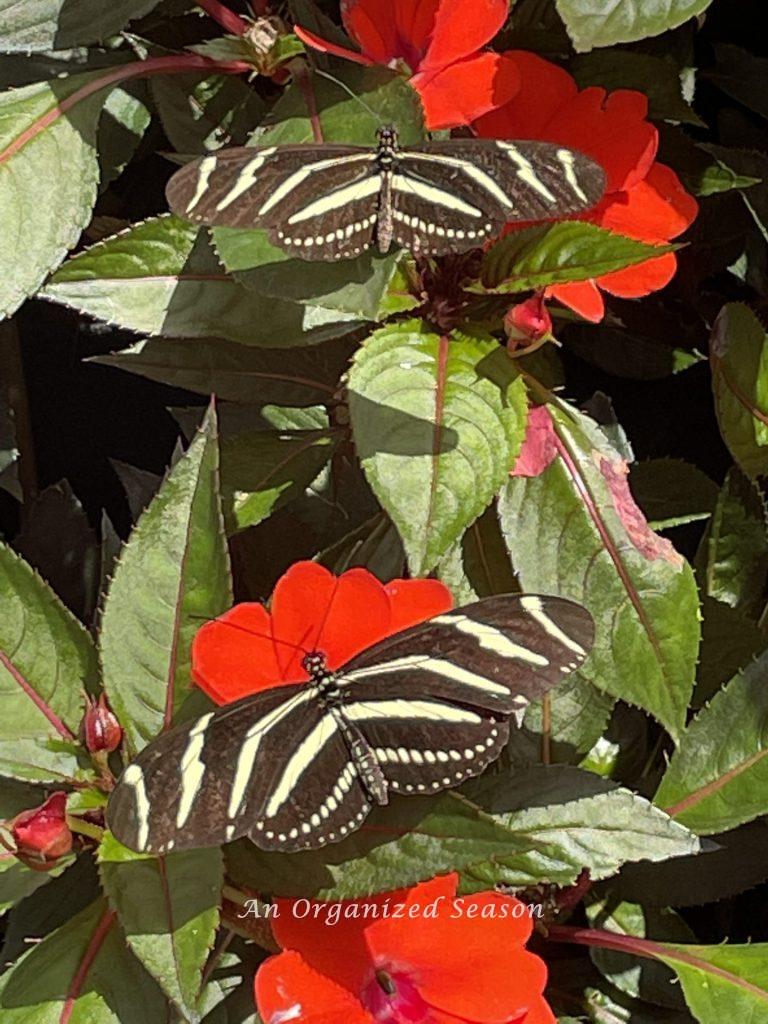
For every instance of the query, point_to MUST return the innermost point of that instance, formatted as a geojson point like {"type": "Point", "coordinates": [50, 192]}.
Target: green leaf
{"type": "Point", "coordinates": [124, 121]}
{"type": "Point", "coordinates": [171, 575]}
{"type": "Point", "coordinates": [162, 277]}
{"type": "Point", "coordinates": [636, 976]}
{"type": "Point", "coordinates": [718, 777]}
{"type": "Point", "coordinates": [657, 77]}
{"type": "Point", "coordinates": [590, 23]}
{"type": "Point", "coordinates": [203, 113]}
{"type": "Point", "coordinates": [741, 75]}
{"type": "Point", "coordinates": [737, 546]}
{"type": "Point", "coordinates": [49, 178]}
{"type": "Point", "coordinates": [738, 862]}
{"type": "Point", "coordinates": [739, 360]}
{"type": "Point", "coordinates": [17, 881]}
{"type": "Point", "coordinates": [555, 254]}
{"type": "Point", "coordinates": [437, 422]}
{"type": "Point", "coordinates": [262, 470]}
{"type": "Point", "coordinates": [294, 376]}
{"type": "Point", "coordinates": [544, 825]}
{"type": "Point", "coordinates": [672, 492]}
{"type": "Point", "coordinates": [82, 972]}
{"type": "Point", "coordinates": [168, 908]}
{"type": "Point", "coordinates": [39, 760]}
{"type": "Point", "coordinates": [721, 982]}
{"type": "Point", "coordinates": [576, 531]}
{"type": "Point", "coordinates": [729, 641]}
{"type": "Point", "coordinates": [358, 287]}
{"type": "Point", "coordinates": [47, 663]}
{"type": "Point", "coordinates": [39, 25]}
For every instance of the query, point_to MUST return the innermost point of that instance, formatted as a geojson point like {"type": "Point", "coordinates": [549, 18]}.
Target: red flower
{"type": "Point", "coordinates": [41, 835]}
{"type": "Point", "coordinates": [249, 648]}
{"type": "Point", "coordinates": [441, 43]}
{"type": "Point", "coordinates": [643, 200]}
{"type": "Point", "coordinates": [444, 961]}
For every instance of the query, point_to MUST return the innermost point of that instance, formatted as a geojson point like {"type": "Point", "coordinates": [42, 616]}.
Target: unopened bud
{"type": "Point", "coordinates": [527, 322]}
{"type": "Point", "coordinates": [41, 835]}
{"type": "Point", "coordinates": [101, 731]}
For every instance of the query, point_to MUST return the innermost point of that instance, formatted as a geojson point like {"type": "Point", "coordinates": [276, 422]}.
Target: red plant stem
{"type": "Point", "coordinates": [176, 65]}
{"type": "Point", "coordinates": [303, 79]}
{"type": "Point", "coordinates": [63, 730]}
{"type": "Point", "coordinates": [81, 975]}
{"type": "Point", "coordinates": [228, 20]}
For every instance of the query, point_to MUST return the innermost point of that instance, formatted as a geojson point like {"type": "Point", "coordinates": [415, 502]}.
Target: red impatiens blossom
{"type": "Point", "coordinates": [41, 835]}
{"type": "Point", "coordinates": [644, 199]}
{"type": "Point", "coordinates": [441, 43]}
{"type": "Point", "coordinates": [250, 648]}
{"type": "Point", "coordinates": [443, 961]}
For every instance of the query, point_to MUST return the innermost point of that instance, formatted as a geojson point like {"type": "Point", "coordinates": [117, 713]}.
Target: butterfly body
{"type": "Point", "coordinates": [331, 202]}
{"type": "Point", "coordinates": [302, 765]}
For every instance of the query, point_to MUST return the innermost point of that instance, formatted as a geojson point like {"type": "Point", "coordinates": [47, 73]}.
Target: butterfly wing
{"type": "Point", "coordinates": [453, 195]}
{"type": "Point", "coordinates": [315, 202]}
{"type": "Point", "coordinates": [497, 654]}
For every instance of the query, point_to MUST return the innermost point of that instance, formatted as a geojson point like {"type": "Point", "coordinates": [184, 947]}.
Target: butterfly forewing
{"type": "Point", "coordinates": [454, 195]}
{"type": "Point", "coordinates": [299, 766]}
{"type": "Point", "coordinates": [315, 202]}
{"type": "Point", "coordinates": [498, 654]}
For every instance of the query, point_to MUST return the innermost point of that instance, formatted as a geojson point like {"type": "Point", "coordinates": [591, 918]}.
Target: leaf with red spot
{"type": "Point", "coordinates": [576, 531]}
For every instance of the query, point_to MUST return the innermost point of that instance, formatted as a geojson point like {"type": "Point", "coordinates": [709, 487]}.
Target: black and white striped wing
{"type": "Point", "coordinates": [454, 195]}
{"type": "Point", "coordinates": [203, 782]}
{"type": "Point", "coordinates": [497, 654]}
{"type": "Point", "coordinates": [315, 202]}
{"type": "Point", "coordinates": [423, 746]}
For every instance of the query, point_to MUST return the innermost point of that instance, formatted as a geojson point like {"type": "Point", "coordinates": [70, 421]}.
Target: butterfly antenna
{"type": "Point", "coordinates": [324, 74]}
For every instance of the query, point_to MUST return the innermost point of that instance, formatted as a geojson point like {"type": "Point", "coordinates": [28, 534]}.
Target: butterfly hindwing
{"type": "Point", "coordinates": [315, 202]}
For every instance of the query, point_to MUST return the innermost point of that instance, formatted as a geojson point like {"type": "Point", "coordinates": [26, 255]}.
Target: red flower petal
{"type": "Point", "coordinates": [612, 130]}
{"type": "Point", "coordinates": [464, 91]}
{"type": "Point", "coordinates": [460, 29]}
{"type": "Point", "coordinates": [655, 210]}
{"type": "Point", "coordinates": [288, 989]}
{"type": "Point", "coordinates": [539, 449]}
{"type": "Point", "coordinates": [544, 89]}
{"type": "Point", "coordinates": [317, 611]}
{"type": "Point", "coordinates": [390, 29]}
{"type": "Point", "coordinates": [583, 297]}
{"type": "Point", "coordinates": [234, 655]}
{"type": "Point", "coordinates": [414, 601]}
{"type": "Point", "coordinates": [540, 1013]}
{"type": "Point", "coordinates": [642, 279]}
{"type": "Point", "coordinates": [324, 46]}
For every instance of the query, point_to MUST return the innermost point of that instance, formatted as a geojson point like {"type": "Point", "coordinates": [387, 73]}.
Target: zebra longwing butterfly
{"type": "Point", "coordinates": [330, 202]}
{"type": "Point", "coordinates": [298, 766]}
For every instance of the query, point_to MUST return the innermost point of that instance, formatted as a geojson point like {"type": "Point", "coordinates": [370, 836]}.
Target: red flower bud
{"type": "Point", "coordinates": [100, 729]}
{"type": "Point", "coordinates": [41, 835]}
{"type": "Point", "coordinates": [527, 322]}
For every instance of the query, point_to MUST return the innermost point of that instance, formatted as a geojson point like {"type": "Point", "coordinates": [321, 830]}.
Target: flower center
{"type": "Point", "coordinates": [394, 999]}
{"type": "Point", "coordinates": [391, 997]}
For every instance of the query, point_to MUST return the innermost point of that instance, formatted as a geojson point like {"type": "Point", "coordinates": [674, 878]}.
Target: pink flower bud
{"type": "Point", "coordinates": [527, 322]}
{"type": "Point", "coordinates": [41, 835]}
{"type": "Point", "coordinates": [100, 729]}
